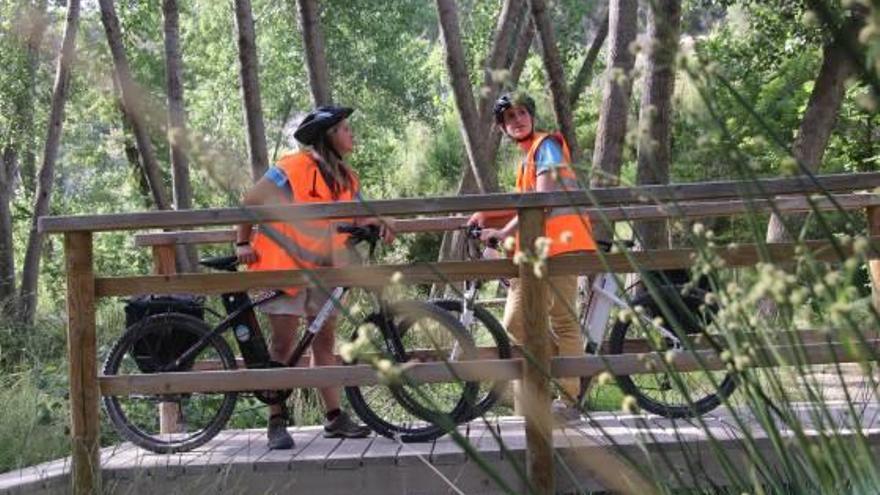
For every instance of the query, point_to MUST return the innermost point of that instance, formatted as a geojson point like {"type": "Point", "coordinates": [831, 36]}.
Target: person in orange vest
{"type": "Point", "coordinates": [316, 174]}
{"type": "Point", "coordinates": [545, 167]}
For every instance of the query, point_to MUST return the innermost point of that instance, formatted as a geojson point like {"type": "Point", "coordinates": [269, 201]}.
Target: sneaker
{"type": "Point", "coordinates": [565, 414]}
{"type": "Point", "coordinates": [279, 438]}
{"type": "Point", "coordinates": [343, 427]}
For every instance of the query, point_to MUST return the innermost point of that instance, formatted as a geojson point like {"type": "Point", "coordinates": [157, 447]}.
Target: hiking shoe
{"type": "Point", "coordinates": [279, 438]}
{"type": "Point", "coordinates": [565, 414]}
{"type": "Point", "coordinates": [342, 426]}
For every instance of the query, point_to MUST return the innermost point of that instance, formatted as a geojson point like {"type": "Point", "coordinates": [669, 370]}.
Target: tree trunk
{"type": "Point", "coordinates": [656, 111]}
{"type": "Point", "coordinates": [611, 129]}
{"type": "Point", "coordinates": [555, 75]}
{"type": "Point", "coordinates": [510, 46]}
{"type": "Point", "coordinates": [474, 137]}
{"type": "Point", "coordinates": [134, 103]}
{"type": "Point", "coordinates": [7, 248]}
{"type": "Point", "coordinates": [26, 145]}
{"type": "Point", "coordinates": [316, 60]}
{"type": "Point", "coordinates": [31, 268]}
{"type": "Point", "coordinates": [819, 119]}
{"type": "Point", "coordinates": [178, 138]}
{"type": "Point", "coordinates": [499, 58]}
{"type": "Point", "coordinates": [250, 89]}
{"type": "Point", "coordinates": [585, 73]}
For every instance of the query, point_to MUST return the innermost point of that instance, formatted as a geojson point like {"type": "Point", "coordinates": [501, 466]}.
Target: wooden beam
{"type": "Point", "coordinates": [478, 370]}
{"type": "Point", "coordinates": [165, 263]}
{"type": "Point", "coordinates": [82, 364]}
{"type": "Point", "coordinates": [379, 275]}
{"type": "Point", "coordinates": [534, 395]}
{"type": "Point", "coordinates": [701, 209]}
{"type": "Point", "coordinates": [763, 188]}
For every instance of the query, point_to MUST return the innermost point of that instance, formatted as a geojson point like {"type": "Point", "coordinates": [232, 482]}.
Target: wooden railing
{"type": "Point", "coordinates": [652, 202]}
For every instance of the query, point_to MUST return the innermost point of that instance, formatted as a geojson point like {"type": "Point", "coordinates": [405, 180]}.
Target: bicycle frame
{"type": "Point", "coordinates": [603, 297]}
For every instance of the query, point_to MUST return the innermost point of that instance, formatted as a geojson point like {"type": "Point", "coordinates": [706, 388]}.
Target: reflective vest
{"type": "Point", "coordinates": [568, 228]}
{"type": "Point", "coordinates": [307, 243]}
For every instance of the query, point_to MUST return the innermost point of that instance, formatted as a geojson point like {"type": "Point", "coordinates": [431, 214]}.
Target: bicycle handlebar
{"type": "Point", "coordinates": [358, 234]}
{"type": "Point", "coordinates": [475, 232]}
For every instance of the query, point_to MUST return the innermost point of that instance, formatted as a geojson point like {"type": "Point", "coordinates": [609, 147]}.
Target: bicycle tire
{"type": "Point", "coordinates": [146, 348]}
{"type": "Point", "coordinates": [497, 336]}
{"type": "Point", "coordinates": [694, 402]}
{"type": "Point", "coordinates": [395, 411]}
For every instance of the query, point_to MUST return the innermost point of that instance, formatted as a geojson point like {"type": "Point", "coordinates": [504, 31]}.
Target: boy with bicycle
{"type": "Point", "coordinates": [545, 167]}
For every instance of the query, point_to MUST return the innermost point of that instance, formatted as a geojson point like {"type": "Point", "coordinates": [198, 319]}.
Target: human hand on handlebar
{"type": "Point", "coordinates": [386, 228]}
{"type": "Point", "coordinates": [477, 219]}
{"type": "Point", "coordinates": [245, 253]}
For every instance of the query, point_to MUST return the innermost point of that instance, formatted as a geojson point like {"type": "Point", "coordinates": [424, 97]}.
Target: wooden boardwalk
{"type": "Point", "coordinates": [237, 461]}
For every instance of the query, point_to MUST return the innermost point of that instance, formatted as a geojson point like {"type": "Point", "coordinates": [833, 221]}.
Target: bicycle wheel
{"type": "Point", "coordinates": [489, 335]}
{"type": "Point", "coordinates": [150, 346]}
{"type": "Point", "coordinates": [673, 394]}
{"type": "Point", "coordinates": [413, 413]}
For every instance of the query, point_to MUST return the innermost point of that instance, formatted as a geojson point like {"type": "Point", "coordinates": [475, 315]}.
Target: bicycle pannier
{"type": "Point", "coordinates": [154, 351]}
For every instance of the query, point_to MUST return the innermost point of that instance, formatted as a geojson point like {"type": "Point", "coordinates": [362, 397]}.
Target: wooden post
{"type": "Point", "coordinates": [164, 263]}
{"type": "Point", "coordinates": [537, 350]}
{"type": "Point", "coordinates": [82, 368]}
{"type": "Point", "coordinates": [873, 214]}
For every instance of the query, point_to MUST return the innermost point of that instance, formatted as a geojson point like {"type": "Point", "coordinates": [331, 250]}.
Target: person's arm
{"type": "Point", "coordinates": [264, 192]}
{"type": "Point", "coordinates": [548, 158]}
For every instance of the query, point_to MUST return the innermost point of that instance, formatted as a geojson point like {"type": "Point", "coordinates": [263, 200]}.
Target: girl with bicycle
{"type": "Point", "coordinates": [316, 174]}
{"type": "Point", "coordinates": [545, 167]}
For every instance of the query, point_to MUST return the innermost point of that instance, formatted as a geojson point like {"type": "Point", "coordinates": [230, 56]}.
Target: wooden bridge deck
{"type": "Point", "coordinates": [237, 461]}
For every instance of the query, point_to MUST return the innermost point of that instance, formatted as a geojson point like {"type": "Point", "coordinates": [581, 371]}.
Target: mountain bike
{"type": "Point", "coordinates": [672, 318]}
{"type": "Point", "coordinates": [488, 333]}
{"type": "Point", "coordinates": [179, 341]}
{"type": "Point", "coordinates": [687, 327]}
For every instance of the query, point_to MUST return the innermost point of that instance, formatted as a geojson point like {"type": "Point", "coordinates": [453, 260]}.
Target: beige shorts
{"type": "Point", "coordinates": [307, 302]}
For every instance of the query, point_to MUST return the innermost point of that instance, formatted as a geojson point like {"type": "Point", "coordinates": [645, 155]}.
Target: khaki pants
{"type": "Point", "coordinates": [564, 329]}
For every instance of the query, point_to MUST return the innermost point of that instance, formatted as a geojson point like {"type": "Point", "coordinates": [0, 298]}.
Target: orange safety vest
{"type": "Point", "coordinates": [305, 244]}
{"type": "Point", "coordinates": [568, 228]}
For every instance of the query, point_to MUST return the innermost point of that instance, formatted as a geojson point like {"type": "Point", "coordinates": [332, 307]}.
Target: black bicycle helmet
{"type": "Point", "coordinates": [316, 123]}
{"type": "Point", "coordinates": [509, 100]}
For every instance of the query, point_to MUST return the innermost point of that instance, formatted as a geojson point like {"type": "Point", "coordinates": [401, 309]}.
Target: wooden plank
{"type": "Point", "coordinates": [82, 367]}
{"type": "Point", "coordinates": [165, 263]}
{"type": "Point", "coordinates": [383, 451]}
{"type": "Point", "coordinates": [414, 454]}
{"type": "Point", "coordinates": [348, 454]}
{"type": "Point", "coordinates": [222, 450]}
{"type": "Point", "coordinates": [449, 271]}
{"type": "Point", "coordinates": [484, 441]}
{"type": "Point", "coordinates": [497, 369]}
{"type": "Point", "coordinates": [447, 452]}
{"type": "Point", "coordinates": [451, 204]}
{"type": "Point", "coordinates": [535, 392]}
{"type": "Point", "coordinates": [265, 460]}
{"type": "Point", "coordinates": [315, 454]}
{"type": "Point", "coordinates": [702, 209]}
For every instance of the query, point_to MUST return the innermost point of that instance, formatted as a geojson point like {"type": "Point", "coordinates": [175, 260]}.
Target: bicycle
{"type": "Point", "coordinates": [669, 394]}
{"type": "Point", "coordinates": [488, 333]}
{"type": "Point", "coordinates": [173, 341]}
{"type": "Point", "coordinates": [672, 394]}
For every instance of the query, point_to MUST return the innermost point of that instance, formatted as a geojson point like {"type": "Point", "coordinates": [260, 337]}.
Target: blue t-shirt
{"type": "Point", "coordinates": [548, 156]}
{"type": "Point", "coordinates": [279, 178]}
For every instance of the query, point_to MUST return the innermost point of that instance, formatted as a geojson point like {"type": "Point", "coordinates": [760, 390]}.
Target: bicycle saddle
{"type": "Point", "coordinates": [224, 263]}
